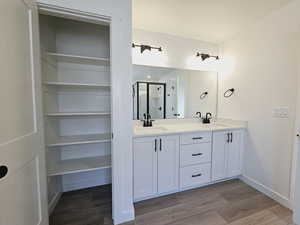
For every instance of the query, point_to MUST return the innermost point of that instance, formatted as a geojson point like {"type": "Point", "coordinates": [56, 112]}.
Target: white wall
{"type": "Point", "coordinates": [199, 82]}
{"type": "Point", "coordinates": [261, 64]}
{"type": "Point", "coordinates": [120, 14]}
{"type": "Point", "coordinates": [177, 52]}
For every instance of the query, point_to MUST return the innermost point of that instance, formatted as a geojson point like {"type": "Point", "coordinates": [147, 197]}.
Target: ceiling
{"type": "Point", "coordinates": [212, 20]}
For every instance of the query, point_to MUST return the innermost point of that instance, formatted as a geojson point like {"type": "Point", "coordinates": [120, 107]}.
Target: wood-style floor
{"type": "Point", "coordinates": [90, 206]}
{"type": "Point", "coordinates": [228, 203]}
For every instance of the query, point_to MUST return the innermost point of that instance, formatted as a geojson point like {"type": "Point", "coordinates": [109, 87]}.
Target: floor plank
{"type": "Point", "coordinates": [209, 218]}
{"type": "Point", "coordinates": [246, 207]}
{"type": "Point", "coordinates": [265, 217]}
{"type": "Point", "coordinates": [239, 193]}
{"type": "Point", "coordinates": [227, 203]}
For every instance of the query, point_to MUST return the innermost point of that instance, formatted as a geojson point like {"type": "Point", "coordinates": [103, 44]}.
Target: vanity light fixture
{"type": "Point", "coordinates": [206, 56]}
{"type": "Point", "coordinates": [146, 47]}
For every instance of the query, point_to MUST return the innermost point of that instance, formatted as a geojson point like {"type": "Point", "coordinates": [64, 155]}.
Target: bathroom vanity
{"type": "Point", "coordinates": [186, 146]}
{"type": "Point", "coordinates": [180, 154]}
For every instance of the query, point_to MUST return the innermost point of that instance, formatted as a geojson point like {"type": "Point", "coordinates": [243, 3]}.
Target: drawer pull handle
{"type": "Point", "coordinates": [160, 148]}
{"type": "Point", "coordinates": [198, 154]}
{"type": "Point", "coordinates": [197, 138]}
{"type": "Point", "coordinates": [197, 175]}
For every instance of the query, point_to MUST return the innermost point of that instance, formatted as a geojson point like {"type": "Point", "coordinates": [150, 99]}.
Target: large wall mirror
{"type": "Point", "coordinates": [167, 93]}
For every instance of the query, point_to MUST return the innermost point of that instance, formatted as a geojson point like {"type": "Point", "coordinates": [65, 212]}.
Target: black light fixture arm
{"type": "Point", "coordinates": [146, 47]}
{"type": "Point", "coordinates": [205, 56]}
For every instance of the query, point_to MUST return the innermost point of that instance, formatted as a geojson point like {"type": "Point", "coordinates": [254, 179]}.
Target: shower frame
{"type": "Point", "coordinates": [148, 97]}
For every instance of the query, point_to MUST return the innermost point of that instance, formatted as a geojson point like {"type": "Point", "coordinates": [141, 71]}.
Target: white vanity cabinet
{"type": "Point", "coordinates": [195, 159]}
{"type": "Point", "coordinates": [144, 167]}
{"type": "Point", "coordinates": [226, 154]}
{"type": "Point", "coordinates": [155, 165]}
{"type": "Point", "coordinates": [164, 164]}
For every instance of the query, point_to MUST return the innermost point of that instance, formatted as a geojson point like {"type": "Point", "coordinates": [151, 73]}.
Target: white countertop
{"type": "Point", "coordinates": [179, 126]}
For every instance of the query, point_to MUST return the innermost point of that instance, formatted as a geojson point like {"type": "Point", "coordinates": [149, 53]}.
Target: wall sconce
{"type": "Point", "coordinates": [206, 56]}
{"type": "Point", "coordinates": [146, 47]}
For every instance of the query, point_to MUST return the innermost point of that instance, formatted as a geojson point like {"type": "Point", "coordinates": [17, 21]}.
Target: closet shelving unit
{"type": "Point", "coordinates": [76, 86]}
{"type": "Point", "coordinates": [80, 165]}
{"type": "Point", "coordinates": [79, 140]}
{"type": "Point", "coordinates": [67, 114]}
{"type": "Point", "coordinates": [78, 58]}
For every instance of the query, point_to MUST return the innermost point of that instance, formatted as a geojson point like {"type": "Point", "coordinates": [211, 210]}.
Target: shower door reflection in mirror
{"type": "Point", "coordinates": [150, 98]}
{"type": "Point", "coordinates": [166, 93]}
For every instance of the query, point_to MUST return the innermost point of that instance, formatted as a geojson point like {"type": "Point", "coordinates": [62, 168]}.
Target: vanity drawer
{"type": "Point", "coordinates": [195, 138]}
{"type": "Point", "coordinates": [195, 154]}
{"type": "Point", "coordinates": [195, 175]}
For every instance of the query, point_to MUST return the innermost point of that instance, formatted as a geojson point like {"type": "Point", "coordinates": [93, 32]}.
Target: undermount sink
{"type": "Point", "coordinates": [150, 129]}
{"type": "Point", "coordinates": [220, 125]}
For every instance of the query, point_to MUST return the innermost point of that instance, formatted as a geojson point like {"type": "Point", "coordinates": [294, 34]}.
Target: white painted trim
{"type": "Point", "coordinates": [54, 202]}
{"type": "Point", "coordinates": [85, 184]}
{"type": "Point", "coordinates": [54, 10]}
{"type": "Point", "coordinates": [267, 191]}
{"type": "Point", "coordinates": [126, 215]}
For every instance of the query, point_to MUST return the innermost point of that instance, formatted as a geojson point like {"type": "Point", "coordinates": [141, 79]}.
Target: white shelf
{"type": "Point", "coordinates": [70, 114]}
{"type": "Point", "coordinates": [83, 85]}
{"type": "Point", "coordinates": [71, 166]}
{"type": "Point", "coordinates": [78, 58]}
{"type": "Point", "coordinates": [80, 139]}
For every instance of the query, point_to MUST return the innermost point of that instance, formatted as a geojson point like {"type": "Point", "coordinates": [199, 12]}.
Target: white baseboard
{"type": "Point", "coordinates": [83, 185]}
{"type": "Point", "coordinates": [83, 180]}
{"type": "Point", "coordinates": [267, 191]}
{"type": "Point", "coordinates": [125, 216]}
{"type": "Point", "coordinates": [54, 202]}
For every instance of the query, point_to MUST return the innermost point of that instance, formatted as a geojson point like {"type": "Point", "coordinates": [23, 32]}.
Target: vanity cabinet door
{"type": "Point", "coordinates": [145, 167]}
{"type": "Point", "coordinates": [168, 163]}
{"type": "Point", "coordinates": [219, 155]}
{"type": "Point", "coordinates": [226, 155]}
{"type": "Point", "coordinates": [234, 153]}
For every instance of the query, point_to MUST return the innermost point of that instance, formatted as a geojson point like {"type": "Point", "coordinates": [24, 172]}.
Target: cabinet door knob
{"type": "Point", "coordinates": [3, 171]}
